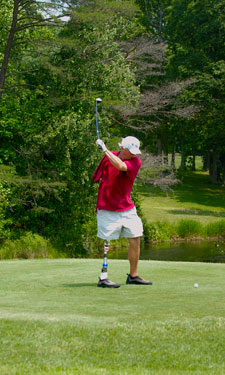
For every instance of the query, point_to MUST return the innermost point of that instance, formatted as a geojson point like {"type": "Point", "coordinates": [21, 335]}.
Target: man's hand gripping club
{"type": "Point", "coordinates": [101, 145]}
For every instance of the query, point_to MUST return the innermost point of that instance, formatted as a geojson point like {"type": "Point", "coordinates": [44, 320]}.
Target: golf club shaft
{"type": "Point", "coordinates": [96, 112]}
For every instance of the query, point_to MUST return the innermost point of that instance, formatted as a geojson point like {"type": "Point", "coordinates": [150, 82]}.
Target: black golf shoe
{"type": "Point", "coordinates": [137, 280]}
{"type": "Point", "coordinates": [107, 284]}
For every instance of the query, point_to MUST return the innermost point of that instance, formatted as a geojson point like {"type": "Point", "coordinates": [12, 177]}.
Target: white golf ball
{"type": "Point", "coordinates": [196, 285]}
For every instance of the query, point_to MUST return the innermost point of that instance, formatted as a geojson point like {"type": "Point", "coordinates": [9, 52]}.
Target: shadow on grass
{"type": "Point", "coordinates": [79, 285]}
{"type": "Point", "coordinates": [194, 188]}
{"type": "Point", "coordinates": [197, 213]}
{"type": "Point", "coordinates": [149, 189]}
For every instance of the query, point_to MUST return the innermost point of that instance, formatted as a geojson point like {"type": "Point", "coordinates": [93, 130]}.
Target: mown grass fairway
{"type": "Point", "coordinates": [54, 320]}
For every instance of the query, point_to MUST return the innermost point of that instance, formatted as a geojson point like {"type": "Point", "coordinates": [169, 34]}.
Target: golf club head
{"type": "Point", "coordinates": [98, 100]}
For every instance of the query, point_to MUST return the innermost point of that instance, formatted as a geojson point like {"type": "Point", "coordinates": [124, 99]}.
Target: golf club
{"type": "Point", "coordinates": [98, 100]}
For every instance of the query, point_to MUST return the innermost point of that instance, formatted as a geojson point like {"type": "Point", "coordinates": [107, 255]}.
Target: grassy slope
{"type": "Point", "coordinates": [54, 320]}
{"type": "Point", "coordinates": [194, 199]}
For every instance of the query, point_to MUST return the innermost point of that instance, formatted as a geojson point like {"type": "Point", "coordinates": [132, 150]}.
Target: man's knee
{"type": "Point", "coordinates": [134, 242]}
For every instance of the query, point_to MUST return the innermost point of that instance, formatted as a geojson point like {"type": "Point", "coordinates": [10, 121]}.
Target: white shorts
{"type": "Point", "coordinates": [113, 224]}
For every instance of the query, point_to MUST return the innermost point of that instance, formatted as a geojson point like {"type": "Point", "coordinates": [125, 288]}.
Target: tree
{"type": "Point", "coordinates": [159, 104]}
{"type": "Point", "coordinates": [195, 31]}
{"type": "Point", "coordinates": [23, 17]}
{"type": "Point", "coordinates": [196, 49]}
{"type": "Point", "coordinates": [153, 17]}
{"type": "Point", "coordinates": [50, 128]}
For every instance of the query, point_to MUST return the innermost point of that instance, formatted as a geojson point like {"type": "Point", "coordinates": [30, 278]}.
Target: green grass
{"type": "Point", "coordinates": [54, 320]}
{"type": "Point", "coordinates": [198, 162]}
{"type": "Point", "coordinates": [195, 199]}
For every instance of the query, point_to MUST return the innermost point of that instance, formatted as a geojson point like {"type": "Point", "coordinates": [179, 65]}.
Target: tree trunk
{"type": "Point", "coordinates": [206, 161]}
{"type": "Point", "coordinates": [173, 157]}
{"type": "Point", "coordinates": [9, 46]}
{"type": "Point", "coordinates": [223, 173]}
{"type": "Point", "coordinates": [222, 162]}
{"type": "Point", "coordinates": [183, 159]}
{"type": "Point", "coordinates": [159, 146]}
{"type": "Point", "coordinates": [213, 172]}
{"type": "Point", "coordinates": [165, 153]}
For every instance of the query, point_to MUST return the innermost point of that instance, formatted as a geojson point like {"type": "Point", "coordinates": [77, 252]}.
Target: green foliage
{"type": "Point", "coordinates": [28, 246]}
{"type": "Point", "coordinates": [5, 195]}
{"type": "Point", "coordinates": [98, 13]}
{"type": "Point", "coordinates": [195, 32]}
{"type": "Point", "coordinates": [216, 229]}
{"type": "Point", "coordinates": [47, 124]}
{"type": "Point", "coordinates": [20, 118]}
{"type": "Point", "coordinates": [26, 36]}
{"type": "Point", "coordinates": [5, 21]}
{"type": "Point", "coordinates": [153, 16]}
{"type": "Point", "coordinates": [183, 229]}
{"type": "Point", "coordinates": [92, 244]}
{"type": "Point", "coordinates": [59, 197]}
{"type": "Point", "coordinates": [208, 92]}
{"type": "Point", "coordinates": [91, 62]}
{"type": "Point", "coordinates": [152, 232]}
{"type": "Point", "coordinates": [48, 130]}
{"type": "Point", "coordinates": [159, 231]}
{"type": "Point", "coordinates": [189, 228]}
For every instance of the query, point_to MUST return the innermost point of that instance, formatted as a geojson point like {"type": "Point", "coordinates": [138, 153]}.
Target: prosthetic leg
{"type": "Point", "coordinates": [103, 280]}
{"type": "Point", "coordinates": [104, 273]}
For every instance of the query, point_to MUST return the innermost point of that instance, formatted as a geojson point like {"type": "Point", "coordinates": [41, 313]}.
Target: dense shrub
{"type": "Point", "coordinates": [189, 228]}
{"type": "Point", "coordinates": [59, 197]}
{"type": "Point", "coordinates": [216, 229]}
{"type": "Point", "coordinates": [159, 231]}
{"type": "Point", "coordinates": [4, 203]}
{"type": "Point", "coordinates": [29, 246]}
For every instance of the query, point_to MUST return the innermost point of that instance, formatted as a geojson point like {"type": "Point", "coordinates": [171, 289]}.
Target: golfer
{"type": "Point", "coordinates": [116, 213]}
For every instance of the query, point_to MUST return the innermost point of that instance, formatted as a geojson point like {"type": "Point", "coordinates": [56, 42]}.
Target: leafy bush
{"type": "Point", "coordinates": [92, 244]}
{"type": "Point", "coordinates": [29, 246]}
{"type": "Point", "coordinates": [166, 230]}
{"type": "Point", "coordinates": [60, 197]}
{"type": "Point", "coordinates": [159, 231]}
{"type": "Point", "coordinates": [188, 228]}
{"type": "Point", "coordinates": [4, 203]}
{"type": "Point", "coordinates": [151, 232]}
{"type": "Point", "coordinates": [216, 229]}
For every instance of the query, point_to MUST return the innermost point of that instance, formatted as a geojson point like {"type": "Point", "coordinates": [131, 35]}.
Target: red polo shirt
{"type": "Point", "coordinates": [115, 186]}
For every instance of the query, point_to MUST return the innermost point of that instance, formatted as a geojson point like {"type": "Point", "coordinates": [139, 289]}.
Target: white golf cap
{"type": "Point", "coordinates": [132, 144]}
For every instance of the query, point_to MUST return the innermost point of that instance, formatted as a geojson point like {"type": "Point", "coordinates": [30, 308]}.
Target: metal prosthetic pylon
{"type": "Point", "coordinates": [104, 273]}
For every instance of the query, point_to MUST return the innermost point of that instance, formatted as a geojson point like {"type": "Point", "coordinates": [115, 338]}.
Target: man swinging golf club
{"type": "Point", "coordinates": [116, 213]}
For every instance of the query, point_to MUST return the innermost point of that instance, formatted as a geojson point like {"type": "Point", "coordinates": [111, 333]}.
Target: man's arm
{"type": "Point", "coordinates": [115, 161]}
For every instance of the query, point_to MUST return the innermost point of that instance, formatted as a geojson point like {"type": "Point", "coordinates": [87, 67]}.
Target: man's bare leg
{"type": "Point", "coordinates": [133, 255]}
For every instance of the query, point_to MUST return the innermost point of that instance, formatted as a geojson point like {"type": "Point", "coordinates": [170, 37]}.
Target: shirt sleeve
{"type": "Point", "coordinates": [133, 166]}
{"type": "Point", "coordinates": [99, 170]}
